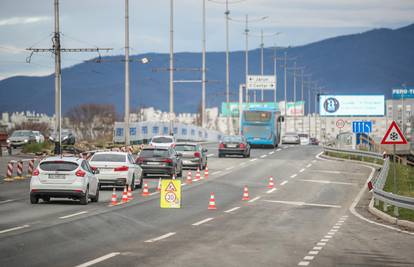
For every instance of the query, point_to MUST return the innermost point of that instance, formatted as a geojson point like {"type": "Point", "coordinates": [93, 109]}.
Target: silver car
{"type": "Point", "coordinates": [193, 155]}
{"type": "Point", "coordinates": [21, 137]}
{"type": "Point", "coordinates": [291, 138]}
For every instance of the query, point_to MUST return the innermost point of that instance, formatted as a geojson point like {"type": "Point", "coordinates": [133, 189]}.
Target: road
{"type": "Point", "coordinates": [305, 221]}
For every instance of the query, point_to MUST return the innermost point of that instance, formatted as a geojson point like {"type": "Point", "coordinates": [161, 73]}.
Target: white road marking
{"type": "Point", "coordinates": [202, 221]}
{"type": "Point", "coordinates": [154, 193]}
{"type": "Point", "coordinates": [100, 259]}
{"type": "Point", "coordinates": [302, 170]}
{"type": "Point", "coordinates": [309, 258]}
{"type": "Point", "coordinates": [14, 229]}
{"type": "Point", "coordinates": [328, 236]}
{"type": "Point", "coordinates": [160, 237]}
{"type": "Point", "coordinates": [334, 230]}
{"type": "Point", "coordinates": [293, 176]}
{"type": "Point", "coordinates": [309, 165]}
{"type": "Point", "coordinates": [217, 172]}
{"type": "Point", "coordinates": [73, 215]}
{"type": "Point", "coordinates": [325, 182]}
{"type": "Point", "coordinates": [331, 172]}
{"type": "Point", "coordinates": [331, 233]}
{"type": "Point", "coordinates": [279, 149]}
{"type": "Point", "coordinates": [284, 182]}
{"type": "Point", "coordinates": [321, 244]}
{"type": "Point", "coordinates": [313, 252]}
{"type": "Point", "coordinates": [271, 152]}
{"type": "Point", "coordinates": [271, 191]}
{"type": "Point", "coordinates": [242, 164]}
{"type": "Point", "coordinates": [229, 168]}
{"type": "Point", "coordinates": [263, 156]}
{"type": "Point", "coordinates": [300, 203]}
{"type": "Point", "coordinates": [336, 227]}
{"type": "Point", "coordinates": [183, 184]}
{"type": "Point", "coordinates": [254, 199]}
{"type": "Point", "coordinates": [314, 160]}
{"type": "Point", "coordinates": [324, 240]}
{"type": "Point", "coordinates": [233, 209]}
{"type": "Point", "coordinates": [253, 159]}
{"type": "Point", "coordinates": [317, 248]}
{"type": "Point", "coordinates": [210, 155]}
{"type": "Point", "coordinates": [303, 263]}
{"type": "Point", "coordinates": [6, 201]}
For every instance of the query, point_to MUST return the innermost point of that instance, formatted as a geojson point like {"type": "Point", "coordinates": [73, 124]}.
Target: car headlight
{"type": "Point", "coordinates": [8, 141]}
{"type": "Point", "coordinates": [25, 140]}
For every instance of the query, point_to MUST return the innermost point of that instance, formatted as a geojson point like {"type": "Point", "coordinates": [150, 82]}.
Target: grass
{"type": "Point", "coordinates": [353, 157]}
{"type": "Point", "coordinates": [37, 147]}
{"type": "Point", "coordinates": [404, 214]}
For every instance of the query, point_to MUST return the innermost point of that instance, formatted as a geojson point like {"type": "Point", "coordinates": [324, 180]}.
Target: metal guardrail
{"type": "Point", "coordinates": [379, 182]}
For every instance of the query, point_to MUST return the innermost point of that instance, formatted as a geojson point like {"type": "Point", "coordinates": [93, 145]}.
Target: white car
{"type": "Point", "coordinates": [163, 141]}
{"type": "Point", "coordinates": [64, 177]}
{"type": "Point", "coordinates": [304, 139]}
{"type": "Point", "coordinates": [117, 169]}
{"type": "Point", "coordinates": [39, 137]}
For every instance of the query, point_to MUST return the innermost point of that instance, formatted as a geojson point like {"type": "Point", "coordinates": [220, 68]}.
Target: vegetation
{"type": "Point", "coordinates": [353, 157]}
{"type": "Point", "coordinates": [404, 214]}
{"type": "Point", "coordinates": [37, 147]}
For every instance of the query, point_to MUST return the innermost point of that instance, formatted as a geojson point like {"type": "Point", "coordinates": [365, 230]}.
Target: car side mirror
{"type": "Point", "coordinates": [179, 154]}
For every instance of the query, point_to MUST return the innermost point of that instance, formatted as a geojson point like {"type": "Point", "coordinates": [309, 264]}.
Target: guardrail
{"type": "Point", "coordinates": [379, 181]}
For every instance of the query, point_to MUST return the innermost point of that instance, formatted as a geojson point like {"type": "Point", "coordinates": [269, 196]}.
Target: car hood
{"type": "Point", "coordinates": [19, 138]}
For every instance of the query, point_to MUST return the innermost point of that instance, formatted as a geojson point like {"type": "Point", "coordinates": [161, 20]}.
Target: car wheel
{"type": "Point", "coordinates": [96, 197]}
{"type": "Point", "coordinates": [140, 183]}
{"type": "Point", "coordinates": [84, 199]}
{"type": "Point", "coordinates": [46, 199]}
{"type": "Point", "coordinates": [34, 199]}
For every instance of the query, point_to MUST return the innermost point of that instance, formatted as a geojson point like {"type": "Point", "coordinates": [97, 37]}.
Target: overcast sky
{"type": "Point", "coordinates": [91, 23]}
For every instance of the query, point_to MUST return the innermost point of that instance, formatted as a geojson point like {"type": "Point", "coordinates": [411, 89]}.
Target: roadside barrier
{"type": "Point", "coordinates": [19, 170]}
{"type": "Point", "coordinates": [31, 167]}
{"type": "Point", "coordinates": [189, 178]}
{"type": "Point", "coordinates": [212, 202]}
{"type": "Point", "coordinates": [9, 172]}
{"type": "Point", "coordinates": [245, 193]}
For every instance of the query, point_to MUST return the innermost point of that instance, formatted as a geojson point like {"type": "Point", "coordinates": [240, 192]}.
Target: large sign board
{"type": "Point", "coordinates": [262, 82]}
{"type": "Point", "coordinates": [402, 93]}
{"type": "Point", "coordinates": [293, 108]}
{"type": "Point", "coordinates": [233, 109]}
{"type": "Point", "coordinates": [351, 105]}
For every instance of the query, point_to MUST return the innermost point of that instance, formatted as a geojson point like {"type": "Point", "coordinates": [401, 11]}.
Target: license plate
{"type": "Point", "coordinates": [57, 176]}
{"type": "Point", "coordinates": [105, 170]}
{"type": "Point", "coordinates": [153, 163]}
{"type": "Point", "coordinates": [231, 145]}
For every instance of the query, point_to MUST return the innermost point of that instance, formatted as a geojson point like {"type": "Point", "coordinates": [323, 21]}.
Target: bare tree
{"type": "Point", "coordinates": [34, 126]}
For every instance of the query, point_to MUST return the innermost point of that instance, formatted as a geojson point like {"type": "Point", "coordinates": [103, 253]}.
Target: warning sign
{"type": "Point", "coordinates": [170, 194]}
{"type": "Point", "coordinates": [393, 136]}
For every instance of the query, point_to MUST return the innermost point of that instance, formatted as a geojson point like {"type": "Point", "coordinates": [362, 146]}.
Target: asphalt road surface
{"type": "Point", "coordinates": [305, 221]}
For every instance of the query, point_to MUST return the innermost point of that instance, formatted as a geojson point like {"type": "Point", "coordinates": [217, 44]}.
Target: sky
{"type": "Point", "coordinates": [100, 23]}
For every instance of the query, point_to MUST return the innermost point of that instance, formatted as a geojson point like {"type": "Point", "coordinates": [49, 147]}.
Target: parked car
{"type": "Point", "coordinates": [314, 141]}
{"type": "Point", "coordinates": [160, 161]}
{"type": "Point", "coordinates": [64, 177]}
{"type": "Point", "coordinates": [234, 145]}
{"type": "Point", "coordinates": [116, 169]}
{"type": "Point", "coordinates": [291, 138]}
{"type": "Point", "coordinates": [163, 141]}
{"type": "Point", "coordinates": [20, 138]}
{"type": "Point", "coordinates": [194, 155]}
{"type": "Point", "coordinates": [304, 139]}
{"type": "Point", "coordinates": [39, 137]}
{"type": "Point", "coordinates": [68, 138]}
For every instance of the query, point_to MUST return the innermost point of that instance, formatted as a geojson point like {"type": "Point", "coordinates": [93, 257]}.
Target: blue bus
{"type": "Point", "coordinates": [261, 126]}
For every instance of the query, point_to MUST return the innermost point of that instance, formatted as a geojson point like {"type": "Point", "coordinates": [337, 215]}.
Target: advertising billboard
{"type": "Point", "coordinates": [234, 107]}
{"type": "Point", "coordinates": [402, 93]}
{"type": "Point", "coordinates": [293, 108]}
{"type": "Point", "coordinates": [351, 105]}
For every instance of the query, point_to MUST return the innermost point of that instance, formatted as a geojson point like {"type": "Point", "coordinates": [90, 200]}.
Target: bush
{"type": "Point", "coordinates": [36, 147]}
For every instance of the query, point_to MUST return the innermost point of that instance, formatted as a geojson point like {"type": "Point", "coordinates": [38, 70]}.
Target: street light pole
{"type": "Point", "coordinates": [227, 66]}
{"type": "Point", "coordinates": [203, 77]}
{"type": "Point", "coordinates": [294, 96]}
{"type": "Point", "coordinates": [261, 60]}
{"type": "Point", "coordinates": [58, 93]}
{"type": "Point", "coordinates": [126, 119]}
{"type": "Point", "coordinates": [171, 65]}
{"type": "Point", "coordinates": [246, 30]}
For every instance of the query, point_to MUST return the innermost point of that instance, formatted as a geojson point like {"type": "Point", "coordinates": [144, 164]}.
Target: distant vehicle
{"type": "Point", "coordinates": [160, 161]}
{"type": "Point", "coordinates": [64, 177]}
{"type": "Point", "coordinates": [234, 145]}
{"type": "Point", "coordinates": [39, 137]}
{"type": "Point", "coordinates": [314, 141]}
{"type": "Point", "coordinates": [304, 139]}
{"type": "Point", "coordinates": [116, 169]}
{"type": "Point", "coordinates": [21, 137]}
{"type": "Point", "coordinates": [68, 138]}
{"type": "Point", "coordinates": [261, 126]}
{"type": "Point", "coordinates": [194, 155]}
{"type": "Point", "coordinates": [291, 138]}
{"type": "Point", "coordinates": [163, 141]}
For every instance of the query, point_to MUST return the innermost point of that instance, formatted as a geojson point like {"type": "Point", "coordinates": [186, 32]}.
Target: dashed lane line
{"type": "Point", "coordinates": [314, 160]}
{"type": "Point", "coordinates": [303, 263]}
{"type": "Point", "coordinates": [279, 149]}
{"type": "Point", "coordinates": [229, 168]}
{"type": "Point", "coordinates": [263, 156]}
{"type": "Point", "coordinates": [253, 159]}
{"type": "Point", "coordinates": [210, 155]}
{"type": "Point", "coordinates": [271, 152]}
{"type": "Point", "coordinates": [302, 170]}
{"type": "Point", "coordinates": [6, 201]}
{"type": "Point", "coordinates": [73, 215]}
{"type": "Point", "coordinates": [202, 221]}
{"type": "Point", "coordinates": [217, 172]}
{"type": "Point", "coordinates": [160, 237]}
{"type": "Point", "coordinates": [309, 165]}
{"type": "Point", "coordinates": [300, 203]}
{"type": "Point", "coordinates": [254, 199]}
{"type": "Point", "coordinates": [14, 229]}
{"type": "Point", "coordinates": [284, 182]}
{"type": "Point", "coordinates": [231, 210]}
{"type": "Point", "coordinates": [293, 176]}
{"type": "Point", "coordinates": [100, 259]}
{"type": "Point", "coordinates": [271, 191]}
{"type": "Point", "coordinates": [325, 182]}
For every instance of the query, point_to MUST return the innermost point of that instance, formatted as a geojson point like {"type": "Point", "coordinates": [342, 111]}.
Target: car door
{"type": "Point", "coordinates": [93, 181]}
{"type": "Point", "coordinates": [137, 169]}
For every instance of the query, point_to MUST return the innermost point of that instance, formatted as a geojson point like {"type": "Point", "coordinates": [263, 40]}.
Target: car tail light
{"type": "Point", "coordinates": [80, 173]}
{"type": "Point", "coordinates": [121, 169]}
{"type": "Point", "coordinates": [167, 161]}
{"type": "Point", "coordinates": [173, 145]}
{"type": "Point", "coordinates": [221, 145]}
{"type": "Point", "coordinates": [94, 168]}
{"type": "Point", "coordinates": [197, 154]}
{"type": "Point", "coordinates": [242, 145]}
{"type": "Point", "coordinates": [35, 172]}
{"type": "Point", "coordinates": [140, 160]}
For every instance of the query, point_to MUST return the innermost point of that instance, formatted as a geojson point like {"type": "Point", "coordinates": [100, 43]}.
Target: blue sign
{"type": "Point", "coordinates": [119, 132]}
{"type": "Point", "coordinates": [402, 93]}
{"type": "Point", "coordinates": [133, 131]}
{"type": "Point", "coordinates": [362, 126]}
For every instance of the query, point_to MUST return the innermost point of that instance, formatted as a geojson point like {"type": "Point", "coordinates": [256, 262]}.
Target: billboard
{"type": "Point", "coordinates": [293, 108]}
{"type": "Point", "coordinates": [234, 107]}
{"type": "Point", "coordinates": [402, 93]}
{"type": "Point", "coordinates": [351, 105]}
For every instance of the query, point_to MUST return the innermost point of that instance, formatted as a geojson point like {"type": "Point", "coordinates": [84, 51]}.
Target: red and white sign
{"type": "Point", "coordinates": [340, 123]}
{"type": "Point", "coordinates": [393, 136]}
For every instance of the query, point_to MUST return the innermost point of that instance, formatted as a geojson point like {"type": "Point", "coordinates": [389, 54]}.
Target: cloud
{"type": "Point", "coordinates": [23, 20]}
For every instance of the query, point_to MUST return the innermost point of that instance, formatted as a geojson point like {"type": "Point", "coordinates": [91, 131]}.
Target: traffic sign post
{"type": "Point", "coordinates": [362, 126]}
{"type": "Point", "coordinates": [262, 82]}
{"type": "Point", "coordinates": [170, 196]}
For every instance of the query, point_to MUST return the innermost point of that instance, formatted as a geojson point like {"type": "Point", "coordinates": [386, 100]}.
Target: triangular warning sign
{"type": "Point", "coordinates": [171, 187]}
{"type": "Point", "coordinates": [393, 136]}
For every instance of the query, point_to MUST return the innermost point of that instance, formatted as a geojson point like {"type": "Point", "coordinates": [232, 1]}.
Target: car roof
{"type": "Point", "coordinates": [64, 158]}
{"type": "Point", "coordinates": [110, 152]}
{"type": "Point", "coordinates": [186, 143]}
{"type": "Point", "coordinates": [155, 147]}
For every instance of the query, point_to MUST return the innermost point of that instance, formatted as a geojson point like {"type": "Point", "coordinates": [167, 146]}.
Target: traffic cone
{"type": "Point", "coordinates": [114, 200]}
{"type": "Point", "coordinates": [145, 192]}
{"type": "Point", "coordinates": [206, 172]}
{"type": "Point", "coordinates": [159, 185]}
{"type": "Point", "coordinates": [245, 193]}
{"type": "Point", "coordinates": [212, 203]}
{"type": "Point", "coordinates": [129, 193]}
{"type": "Point", "coordinates": [197, 176]}
{"type": "Point", "coordinates": [125, 195]}
{"type": "Point", "coordinates": [271, 184]}
{"type": "Point", "coordinates": [189, 177]}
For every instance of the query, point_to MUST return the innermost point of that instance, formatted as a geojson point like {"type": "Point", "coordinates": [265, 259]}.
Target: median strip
{"type": "Point", "coordinates": [160, 237]}
{"type": "Point", "coordinates": [73, 215]}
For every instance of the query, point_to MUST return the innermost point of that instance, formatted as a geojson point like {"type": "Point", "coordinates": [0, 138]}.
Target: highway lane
{"type": "Point", "coordinates": [278, 228]}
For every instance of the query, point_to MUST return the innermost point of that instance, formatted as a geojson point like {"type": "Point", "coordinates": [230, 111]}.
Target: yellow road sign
{"type": "Point", "coordinates": [170, 194]}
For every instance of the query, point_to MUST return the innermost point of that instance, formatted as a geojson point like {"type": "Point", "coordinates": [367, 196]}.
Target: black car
{"type": "Point", "coordinates": [234, 145]}
{"type": "Point", "coordinates": [68, 138]}
{"type": "Point", "coordinates": [160, 161]}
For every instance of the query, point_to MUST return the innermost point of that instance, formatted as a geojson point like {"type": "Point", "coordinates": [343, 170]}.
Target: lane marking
{"type": "Point", "coordinates": [309, 165]}
{"type": "Point", "coordinates": [303, 263]}
{"type": "Point", "coordinates": [210, 155]}
{"type": "Point", "coordinates": [183, 184]}
{"type": "Point", "coordinates": [336, 227]}
{"type": "Point", "coordinates": [317, 248]}
{"type": "Point", "coordinates": [263, 156]}
{"type": "Point", "coordinates": [233, 209]}
{"type": "Point", "coordinates": [324, 240]}
{"type": "Point", "coordinates": [331, 172]}
{"type": "Point", "coordinates": [154, 193]}
{"type": "Point", "coordinates": [321, 244]}
{"type": "Point", "coordinates": [160, 237]}
{"type": "Point", "coordinates": [328, 236]}
{"type": "Point", "coordinates": [271, 191]}
{"type": "Point", "coordinates": [309, 258]}
{"type": "Point", "coordinates": [284, 182]}
{"type": "Point", "coordinates": [229, 168]}
{"type": "Point", "coordinates": [302, 170]}
{"type": "Point", "coordinates": [331, 233]}
{"type": "Point", "coordinates": [293, 176]}
{"type": "Point", "coordinates": [6, 201]}
{"type": "Point", "coordinates": [73, 215]}
{"type": "Point", "coordinates": [299, 203]}
{"type": "Point", "coordinates": [202, 221]}
{"type": "Point", "coordinates": [254, 199]}
{"type": "Point", "coordinates": [271, 152]}
{"type": "Point", "coordinates": [279, 149]}
{"type": "Point", "coordinates": [14, 229]}
{"type": "Point", "coordinates": [314, 160]}
{"type": "Point", "coordinates": [217, 172]}
{"type": "Point", "coordinates": [313, 252]}
{"type": "Point", "coordinates": [100, 259]}
{"type": "Point", "coordinates": [242, 164]}
{"type": "Point", "coordinates": [253, 159]}
{"type": "Point", "coordinates": [325, 182]}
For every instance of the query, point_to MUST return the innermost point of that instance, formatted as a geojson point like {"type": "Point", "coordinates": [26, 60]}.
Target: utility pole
{"type": "Point", "coordinates": [227, 13]}
{"type": "Point", "coordinates": [171, 65]}
{"type": "Point", "coordinates": [285, 93]}
{"type": "Point", "coordinates": [56, 50]}
{"type": "Point", "coordinates": [246, 31]}
{"type": "Point", "coordinates": [203, 71]}
{"type": "Point", "coordinates": [261, 60]}
{"type": "Point", "coordinates": [127, 89]}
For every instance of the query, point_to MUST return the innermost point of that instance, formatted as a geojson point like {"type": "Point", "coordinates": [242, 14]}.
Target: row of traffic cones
{"type": "Point", "coordinates": [127, 195]}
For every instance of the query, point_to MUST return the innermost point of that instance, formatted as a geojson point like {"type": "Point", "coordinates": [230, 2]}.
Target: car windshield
{"type": "Point", "coordinates": [58, 166]}
{"type": "Point", "coordinates": [232, 139]}
{"type": "Point", "coordinates": [185, 147]}
{"type": "Point", "coordinates": [154, 153]}
{"type": "Point", "coordinates": [21, 133]}
{"type": "Point", "coordinates": [303, 135]}
{"type": "Point", "coordinates": [109, 157]}
{"type": "Point", "coordinates": [291, 134]}
{"type": "Point", "coordinates": [162, 140]}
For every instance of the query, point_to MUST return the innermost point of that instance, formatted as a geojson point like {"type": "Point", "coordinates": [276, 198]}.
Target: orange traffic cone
{"type": "Point", "coordinates": [245, 193]}
{"type": "Point", "coordinates": [206, 172]}
{"type": "Point", "coordinates": [125, 195]}
{"type": "Point", "coordinates": [189, 178]}
{"type": "Point", "coordinates": [129, 194]}
{"type": "Point", "coordinates": [271, 184]}
{"type": "Point", "coordinates": [114, 200]}
{"type": "Point", "coordinates": [197, 176]}
{"type": "Point", "coordinates": [212, 203]}
{"type": "Point", "coordinates": [159, 185]}
{"type": "Point", "coordinates": [145, 192]}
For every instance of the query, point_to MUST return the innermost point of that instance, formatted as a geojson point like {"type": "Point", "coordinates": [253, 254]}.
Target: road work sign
{"type": "Point", "coordinates": [262, 82]}
{"type": "Point", "coordinates": [170, 194]}
{"type": "Point", "coordinates": [394, 136]}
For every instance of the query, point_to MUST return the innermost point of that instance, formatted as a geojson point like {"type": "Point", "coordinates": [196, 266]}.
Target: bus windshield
{"type": "Point", "coordinates": [257, 116]}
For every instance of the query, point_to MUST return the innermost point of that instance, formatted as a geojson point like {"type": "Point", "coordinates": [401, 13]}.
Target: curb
{"type": "Point", "coordinates": [388, 218]}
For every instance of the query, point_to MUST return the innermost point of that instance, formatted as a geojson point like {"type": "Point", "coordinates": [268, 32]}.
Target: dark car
{"type": "Point", "coordinates": [313, 141]}
{"type": "Point", "coordinates": [234, 145]}
{"type": "Point", "coordinates": [68, 138]}
{"type": "Point", "coordinates": [160, 161]}
{"type": "Point", "coordinates": [194, 155]}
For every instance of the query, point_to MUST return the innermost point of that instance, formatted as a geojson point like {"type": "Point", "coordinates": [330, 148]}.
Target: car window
{"type": "Point", "coordinates": [232, 139]}
{"type": "Point", "coordinates": [162, 139]}
{"type": "Point", "coordinates": [185, 148]}
{"type": "Point", "coordinates": [131, 159]}
{"type": "Point", "coordinates": [86, 167]}
{"type": "Point", "coordinates": [58, 166]}
{"type": "Point", "coordinates": [154, 153]}
{"type": "Point", "coordinates": [108, 157]}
